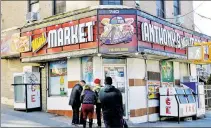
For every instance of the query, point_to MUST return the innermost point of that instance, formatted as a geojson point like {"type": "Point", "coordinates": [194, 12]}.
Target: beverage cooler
{"type": "Point", "coordinates": [177, 102]}
{"type": "Point", "coordinates": [27, 89]}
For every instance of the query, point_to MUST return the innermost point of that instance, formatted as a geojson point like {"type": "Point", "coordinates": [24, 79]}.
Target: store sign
{"type": "Point", "coordinates": [168, 105]}
{"type": "Point", "coordinates": [39, 42]}
{"type": "Point", "coordinates": [117, 30]}
{"type": "Point", "coordinates": [195, 53]}
{"type": "Point", "coordinates": [71, 35]}
{"type": "Point", "coordinates": [162, 36]}
{"type": "Point", "coordinates": [189, 109]}
{"type": "Point", "coordinates": [12, 44]}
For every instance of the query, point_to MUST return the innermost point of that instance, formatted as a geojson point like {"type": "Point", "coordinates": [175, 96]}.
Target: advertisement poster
{"type": "Point", "coordinates": [14, 44]}
{"type": "Point", "coordinates": [167, 73]}
{"type": "Point", "coordinates": [117, 32]}
{"type": "Point", "coordinates": [58, 78]}
{"type": "Point", "coordinates": [87, 69]}
{"type": "Point", "coordinates": [153, 89]}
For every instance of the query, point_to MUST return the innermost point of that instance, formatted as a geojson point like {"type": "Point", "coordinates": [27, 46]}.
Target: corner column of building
{"type": "Point", "coordinates": [137, 90]}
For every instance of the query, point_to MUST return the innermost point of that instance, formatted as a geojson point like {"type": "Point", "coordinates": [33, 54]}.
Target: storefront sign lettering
{"type": "Point", "coordinates": [39, 42]}
{"type": "Point", "coordinates": [162, 36]}
{"type": "Point", "coordinates": [71, 35]}
{"type": "Point", "coordinates": [168, 107]}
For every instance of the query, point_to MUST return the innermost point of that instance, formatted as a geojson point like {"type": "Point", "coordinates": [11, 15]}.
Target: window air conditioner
{"type": "Point", "coordinates": [137, 5]}
{"type": "Point", "coordinates": [32, 16]}
{"type": "Point", "coordinates": [179, 20]}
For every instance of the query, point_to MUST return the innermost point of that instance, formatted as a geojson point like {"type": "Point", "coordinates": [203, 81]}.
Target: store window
{"type": "Point", "coordinates": [87, 69]}
{"type": "Point", "coordinates": [111, 2]}
{"type": "Point", "coordinates": [176, 7]}
{"type": "Point", "coordinates": [58, 78]}
{"type": "Point", "coordinates": [59, 6]}
{"type": "Point", "coordinates": [160, 8]}
{"type": "Point", "coordinates": [34, 5]}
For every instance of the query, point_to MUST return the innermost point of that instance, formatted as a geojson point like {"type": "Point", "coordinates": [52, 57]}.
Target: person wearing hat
{"type": "Point", "coordinates": [88, 99]}
{"type": "Point", "coordinates": [96, 89]}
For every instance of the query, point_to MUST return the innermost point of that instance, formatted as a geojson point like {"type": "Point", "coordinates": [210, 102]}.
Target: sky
{"type": "Point", "coordinates": [203, 24]}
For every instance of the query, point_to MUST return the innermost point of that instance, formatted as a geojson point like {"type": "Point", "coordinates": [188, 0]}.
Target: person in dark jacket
{"type": "Point", "coordinates": [75, 100]}
{"type": "Point", "coordinates": [112, 106]}
{"type": "Point", "coordinates": [88, 99]}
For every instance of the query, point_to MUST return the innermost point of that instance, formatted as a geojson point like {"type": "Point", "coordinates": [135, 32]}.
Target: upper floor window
{"type": "Point", "coordinates": [176, 7]}
{"type": "Point", "coordinates": [111, 2]}
{"type": "Point", "coordinates": [160, 8]}
{"type": "Point", "coordinates": [34, 5]}
{"type": "Point", "coordinates": [59, 6]}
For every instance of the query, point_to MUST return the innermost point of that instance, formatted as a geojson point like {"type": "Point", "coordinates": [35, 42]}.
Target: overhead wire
{"type": "Point", "coordinates": [188, 12]}
{"type": "Point", "coordinates": [193, 11]}
{"type": "Point", "coordinates": [203, 16]}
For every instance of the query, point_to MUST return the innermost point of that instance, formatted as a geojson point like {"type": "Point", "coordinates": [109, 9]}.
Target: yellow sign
{"type": "Point", "coordinates": [38, 43]}
{"type": "Point", "coordinates": [202, 61]}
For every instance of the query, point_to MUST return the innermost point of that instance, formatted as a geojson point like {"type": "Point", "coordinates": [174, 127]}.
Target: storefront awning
{"type": "Point", "coordinates": [50, 57]}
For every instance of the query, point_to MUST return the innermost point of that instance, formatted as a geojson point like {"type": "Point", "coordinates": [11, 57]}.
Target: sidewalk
{"type": "Point", "coordinates": [11, 118]}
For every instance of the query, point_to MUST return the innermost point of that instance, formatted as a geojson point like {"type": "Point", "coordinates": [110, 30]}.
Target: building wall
{"type": "Point", "coordinates": [138, 92]}
{"type": "Point", "coordinates": [20, 9]}
{"type": "Point", "coordinates": [13, 13]}
{"type": "Point", "coordinates": [8, 67]}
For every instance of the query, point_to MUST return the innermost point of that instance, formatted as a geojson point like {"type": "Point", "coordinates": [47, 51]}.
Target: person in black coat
{"type": "Point", "coordinates": [112, 106]}
{"type": "Point", "coordinates": [75, 101]}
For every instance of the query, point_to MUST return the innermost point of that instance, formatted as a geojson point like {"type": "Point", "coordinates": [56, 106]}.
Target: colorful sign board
{"type": "Point", "coordinates": [195, 53]}
{"type": "Point", "coordinates": [58, 78]}
{"type": "Point", "coordinates": [167, 72]}
{"type": "Point", "coordinates": [12, 44]}
{"type": "Point", "coordinates": [153, 88]}
{"type": "Point", "coordinates": [39, 42]}
{"type": "Point", "coordinates": [71, 35]}
{"type": "Point", "coordinates": [87, 69]}
{"type": "Point", "coordinates": [117, 31]}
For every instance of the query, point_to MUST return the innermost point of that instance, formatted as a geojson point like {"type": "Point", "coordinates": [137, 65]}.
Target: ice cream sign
{"type": "Point", "coordinates": [117, 30]}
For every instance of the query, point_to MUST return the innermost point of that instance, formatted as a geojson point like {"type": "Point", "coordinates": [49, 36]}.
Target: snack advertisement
{"type": "Point", "coordinates": [14, 44]}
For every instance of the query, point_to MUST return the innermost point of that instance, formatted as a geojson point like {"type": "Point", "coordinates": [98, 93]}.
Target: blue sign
{"type": "Point", "coordinates": [117, 11]}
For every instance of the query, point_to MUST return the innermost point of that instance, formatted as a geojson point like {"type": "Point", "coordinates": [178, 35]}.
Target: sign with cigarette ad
{"type": "Point", "coordinates": [12, 44]}
{"type": "Point", "coordinates": [117, 31]}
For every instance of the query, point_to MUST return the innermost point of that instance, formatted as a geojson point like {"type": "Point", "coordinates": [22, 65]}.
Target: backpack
{"type": "Point", "coordinates": [97, 90]}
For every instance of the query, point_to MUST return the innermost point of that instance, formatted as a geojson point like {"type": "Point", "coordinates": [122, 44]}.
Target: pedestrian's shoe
{"type": "Point", "coordinates": [90, 123]}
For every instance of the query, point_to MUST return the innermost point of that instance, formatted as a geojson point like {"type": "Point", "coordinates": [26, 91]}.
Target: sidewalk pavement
{"type": "Point", "coordinates": [11, 118]}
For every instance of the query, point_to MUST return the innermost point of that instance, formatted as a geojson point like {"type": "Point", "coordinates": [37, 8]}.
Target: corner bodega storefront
{"type": "Point", "coordinates": [70, 50]}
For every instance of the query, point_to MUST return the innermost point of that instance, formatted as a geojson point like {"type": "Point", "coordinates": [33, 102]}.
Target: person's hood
{"type": "Point", "coordinates": [109, 88]}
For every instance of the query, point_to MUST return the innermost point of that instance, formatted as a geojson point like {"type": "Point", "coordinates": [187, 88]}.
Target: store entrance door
{"type": "Point", "coordinates": [118, 75]}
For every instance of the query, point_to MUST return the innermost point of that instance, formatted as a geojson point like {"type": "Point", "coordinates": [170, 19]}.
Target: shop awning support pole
{"type": "Point", "coordinates": [146, 79]}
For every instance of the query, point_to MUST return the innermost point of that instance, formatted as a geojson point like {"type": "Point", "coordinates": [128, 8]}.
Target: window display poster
{"type": "Point", "coordinates": [167, 71]}
{"type": "Point", "coordinates": [87, 69]}
{"type": "Point", "coordinates": [58, 78]}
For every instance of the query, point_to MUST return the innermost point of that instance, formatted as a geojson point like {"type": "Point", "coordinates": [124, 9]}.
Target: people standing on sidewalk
{"type": "Point", "coordinates": [88, 99]}
{"type": "Point", "coordinates": [75, 100]}
{"type": "Point", "coordinates": [112, 106]}
{"type": "Point", "coordinates": [96, 89]}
